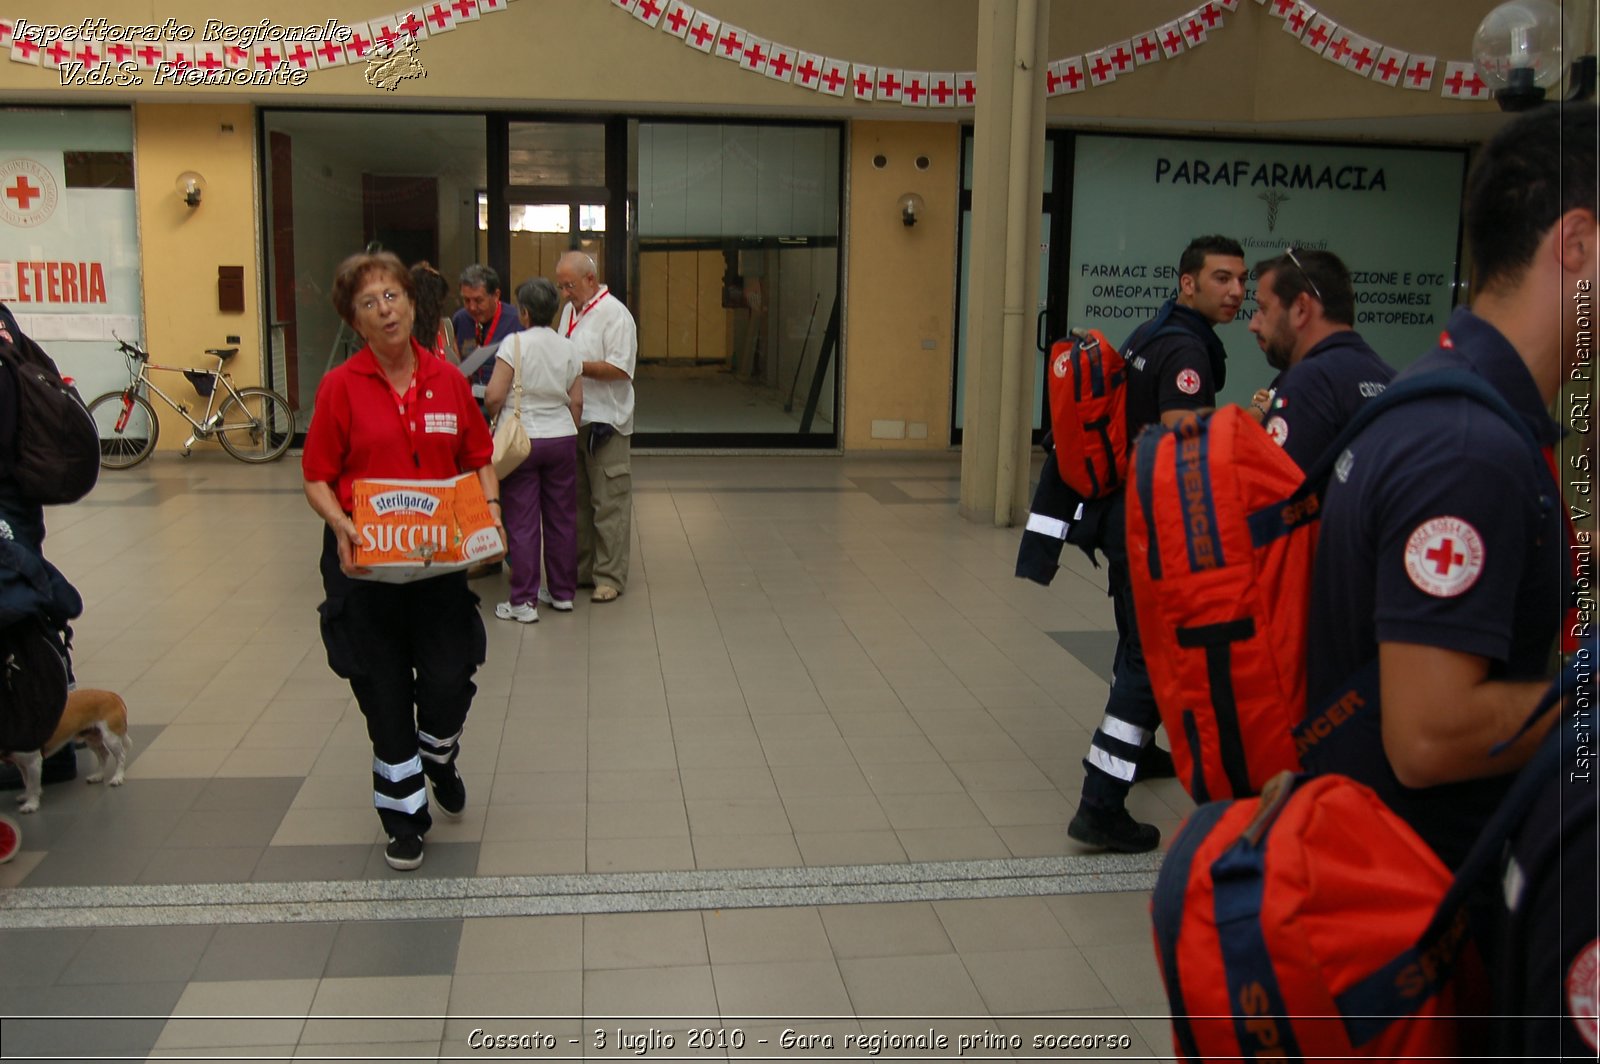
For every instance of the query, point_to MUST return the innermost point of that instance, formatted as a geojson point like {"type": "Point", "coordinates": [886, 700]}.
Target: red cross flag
{"type": "Point", "coordinates": [1099, 66]}
{"type": "Point", "coordinates": [1171, 40]}
{"type": "Point", "coordinates": [863, 82]}
{"type": "Point", "coordinates": [891, 84]}
{"type": "Point", "coordinates": [1319, 31]}
{"type": "Point", "coordinates": [1418, 73]}
{"type": "Point", "coordinates": [490, 7]}
{"type": "Point", "coordinates": [178, 56]}
{"type": "Point", "coordinates": [1391, 65]}
{"type": "Point", "coordinates": [1121, 56]}
{"type": "Point", "coordinates": [677, 18]}
{"type": "Point", "coordinates": [1338, 47]}
{"type": "Point", "coordinates": [702, 32]}
{"type": "Point", "coordinates": [25, 52]}
{"type": "Point", "coordinates": [626, 5]}
{"type": "Point", "coordinates": [411, 24]}
{"type": "Point", "coordinates": [236, 58]}
{"type": "Point", "coordinates": [730, 43]}
{"type": "Point", "coordinates": [1281, 8]}
{"type": "Point", "coordinates": [359, 46]}
{"type": "Point", "coordinates": [942, 91]}
{"type": "Point", "coordinates": [807, 70]}
{"type": "Point", "coordinates": [835, 77]}
{"type": "Point", "coordinates": [1463, 82]}
{"type": "Point", "coordinates": [439, 15]}
{"type": "Point", "coordinates": [649, 12]}
{"type": "Point", "coordinates": [1065, 76]}
{"type": "Point", "coordinates": [331, 53]}
{"type": "Point", "coordinates": [1211, 15]}
{"type": "Point", "coordinates": [966, 88]}
{"type": "Point", "coordinates": [297, 54]}
{"type": "Point", "coordinates": [780, 62]}
{"type": "Point", "coordinates": [1363, 55]}
{"type": "Point", "coordinates": [1147, 47]}
{"type": "Point", "coordinates": [915, 93]}
{"type": "Point", "coordinates": [1193, 29]}
{"type": "Point", "coordinates": [7, 28]}
{"type": "Point", "coordinates": [756, 54]}
{"type": "Point", "coordinates": [464, 10]}
{"type": "Point", "coordinates": [1298, 18]}
{"type": "Point", "coordinates": [386, 35]}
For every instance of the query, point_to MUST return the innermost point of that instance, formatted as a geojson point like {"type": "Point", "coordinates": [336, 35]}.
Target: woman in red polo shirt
{"type": "Point", "coordinates": [409, 650]}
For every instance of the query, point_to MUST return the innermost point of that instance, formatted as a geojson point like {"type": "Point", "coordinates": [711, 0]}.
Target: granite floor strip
{"type": "Point", "coordinates": [310, 902]}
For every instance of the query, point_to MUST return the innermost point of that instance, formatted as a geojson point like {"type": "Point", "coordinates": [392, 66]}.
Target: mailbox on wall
{"type": "Point", "coordinates": [230, 289]}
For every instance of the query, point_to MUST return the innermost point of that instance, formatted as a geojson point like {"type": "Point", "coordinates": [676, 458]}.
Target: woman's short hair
{"type": "Point", "coordinates": [352, 273]}
{"type": "Point", "coordinates": [540, 300]}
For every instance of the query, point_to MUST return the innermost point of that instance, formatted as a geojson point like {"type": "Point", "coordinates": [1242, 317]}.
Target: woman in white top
{"type": "Point", "coordinates": [539, 499]}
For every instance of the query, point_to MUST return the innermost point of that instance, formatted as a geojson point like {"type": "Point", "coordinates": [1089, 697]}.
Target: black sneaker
{"type": "Point", "coordinates": [1112, 829]}
{"type": "Point", "coordinates": [1154, 764]}
{"type": "Point", "coordinates": [404, 853]}
{"type": "Point", "coordinates": [450, 793]}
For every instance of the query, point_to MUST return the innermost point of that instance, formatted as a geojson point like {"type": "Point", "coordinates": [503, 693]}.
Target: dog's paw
{"type": "Point", "coordinates": [116, 781]}
{"type": "Point", "coordinates": [96, 778]}
{"type": "Point", "coordinates": [28, 805]}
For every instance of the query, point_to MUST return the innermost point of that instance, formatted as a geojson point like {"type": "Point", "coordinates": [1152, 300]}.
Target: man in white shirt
{"type": "Point", "coordinates": [608, 341]}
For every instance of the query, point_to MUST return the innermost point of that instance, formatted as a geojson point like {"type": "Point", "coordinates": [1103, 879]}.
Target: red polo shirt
{"type": "Point", "coordinates": [357, 429]}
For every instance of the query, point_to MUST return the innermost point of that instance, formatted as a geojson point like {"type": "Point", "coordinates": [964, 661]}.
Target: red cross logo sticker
{"type": "Point", "coordinates": [28, 193]}
{"type": "Point", "coordinates": [1062, 363]}
{"type": "Point", "coordinates": [1188, 381]}
{"type": "Point", "coordinates": [1278, 429]}
{"type": "Point", "coordinates": [1444, 556]}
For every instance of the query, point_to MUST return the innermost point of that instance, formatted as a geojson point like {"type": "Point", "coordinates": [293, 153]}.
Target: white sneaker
{"type": "Point", "coordinates": [525, 612]}
{"type": "Point", "coordinates": [562, 605]}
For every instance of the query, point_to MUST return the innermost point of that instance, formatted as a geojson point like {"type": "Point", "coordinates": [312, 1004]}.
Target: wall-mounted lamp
{"type": "Point", "coordinates": [1519, 50]}
{"type": "Point", "coordinates": [911, 208]}
{"type": "Point", "coordinates": [190, 185]}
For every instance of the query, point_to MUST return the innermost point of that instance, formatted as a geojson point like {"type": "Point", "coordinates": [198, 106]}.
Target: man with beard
{"type": "Point", "coordinates": [1305, 308]}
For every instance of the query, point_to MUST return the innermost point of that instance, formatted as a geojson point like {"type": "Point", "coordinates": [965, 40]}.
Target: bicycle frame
{"type": "Point", "coordinates": [208, 422]}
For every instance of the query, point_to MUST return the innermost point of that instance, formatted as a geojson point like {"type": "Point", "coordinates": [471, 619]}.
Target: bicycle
{"type": "Point", "coordinates": [252, 424]}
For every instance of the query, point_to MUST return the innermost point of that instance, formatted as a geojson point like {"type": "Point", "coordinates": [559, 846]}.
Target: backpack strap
{"type": "Point", "coordinates": [1416, 975]}
{"type": "Point", "coordinates": [1166, 913]}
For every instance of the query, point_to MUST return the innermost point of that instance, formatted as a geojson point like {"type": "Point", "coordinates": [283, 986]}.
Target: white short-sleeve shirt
{"type": "Point", "coordinates": [550, 363]}
{"type": "Point", "coordinates": [605, 332]}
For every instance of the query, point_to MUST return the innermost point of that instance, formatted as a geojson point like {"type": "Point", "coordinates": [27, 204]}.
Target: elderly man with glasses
{"type": "Point", "coordinates": [1303, 322]}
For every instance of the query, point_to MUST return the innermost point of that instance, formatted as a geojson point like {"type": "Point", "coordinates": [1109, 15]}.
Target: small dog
{"type": "Point", "coordinates": [100, 718]}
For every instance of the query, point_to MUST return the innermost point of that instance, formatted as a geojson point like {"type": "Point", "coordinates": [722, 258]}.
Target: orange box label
{"type": "Point", "coordinates": [412, 529]}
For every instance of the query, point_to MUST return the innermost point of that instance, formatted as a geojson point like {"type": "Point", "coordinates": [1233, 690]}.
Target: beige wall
{"type": "Point", "coordinates": [182, 246]}
{"type": "Point", "coordinates": [900, 315]}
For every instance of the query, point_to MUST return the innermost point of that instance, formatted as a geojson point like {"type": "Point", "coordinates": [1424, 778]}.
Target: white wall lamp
{"type": "Point", "coordinates": [1520, 48]}
{"type": "Point", "coordinates": [911, 208]}
{"type": "Point", "coordinates": [190, 185]}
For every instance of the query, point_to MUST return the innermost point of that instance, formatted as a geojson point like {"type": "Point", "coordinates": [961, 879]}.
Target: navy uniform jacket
{"type": "Point", "coordinates": [1318, 396]}
{"type": "Point", "coordinates": [1441, 527]}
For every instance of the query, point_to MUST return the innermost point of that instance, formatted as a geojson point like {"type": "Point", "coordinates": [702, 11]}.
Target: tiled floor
{"type": "Point", "coordinates": [811, 772]}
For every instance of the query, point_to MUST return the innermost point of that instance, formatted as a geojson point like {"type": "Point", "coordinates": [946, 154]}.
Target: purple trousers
{"type": "Point", "coordinates": [540, 503]}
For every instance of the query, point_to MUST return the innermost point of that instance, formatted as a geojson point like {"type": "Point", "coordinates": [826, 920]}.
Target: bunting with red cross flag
{"type": "Point", "coordinates": [702, 32]}
{"type": "Point", "coordinates": [1391, 65]}
{"type": "Point", "coordinates": [491, 7]}
{"type": "Point", "coordinates": [25, 51]}
{"type": "Point", "coordinates": [626, 5]}
{"type": "Point", "coordinates": [1363, 55]}
{"type": "Point", "coordinates": [1072, 76]}
{"type": "Point", "coordinates": [359, 44]}
{"type": "Point", "coordinates": [649, 12]}
{"type": "Point", "coordinates": [966, 88]}
{"type": "Point", "coordinates": [942, 88]}
{"type": "Point", "coordinates": [1418, 74]}
{"type": "Point", "coordinates": [807, 70]}
{"type": "Point", "coordinates": [780, 62]}
{"type": "Point", "coordinates": [915, 94]}
{"type": "Point", "coordinates": [440, 16]}
{"type": "Point", "coordinates": [1147, 48]}
{"type": "Point", "coordinates": [1463, 82]}
{"type": "Point", "coordinates": [411, 25]}
{"type": "Point", "coordinates": [464, 10]}
{"type": "Point", "coordinates": [236, 58]}
{"type": "Point", "coordinates": [296, 54]}
{"type": "Point", "coordinates": [1319, 31]}
{"type": "Point", "coordinates": [730, 43]}
{"type": "Point", "coordinates": [7, 31]}
{"type": "Point", "coordinates": [1172, 44]}
{"type": "Point", "coordinates": [330, 53]}
{"type": "Point", "coordinates": [1281, 8]}
{"type": "Point", "coordinates": [1299, 17]}
{"type": "Point", "coordinates": [835, 77]}
{"type": "Point", "coordinates": [1211, 14]}
{"type": "Point", "coordinates": [755, 55]}
{"type": "Point", "coordinates": [1193, 29]}
{"type": "Point", "coordinates": [385, 34]}
{"type": "Point", "coordinates": [1121, 57]}
{"type": "Point", "coordinates": [1338, 47]}
{"type": "Point", "coordinates": [891, 84]}
{"type": "Point", "coordinates": [863, 82]}
{"type": "Point", "coordinates": [1099, 67]}
{"type": "Point", "coordinates": [677, 18]}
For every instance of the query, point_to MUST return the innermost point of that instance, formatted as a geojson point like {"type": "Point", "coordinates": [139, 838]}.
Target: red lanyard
{"type": "Point", "coordinates": [493, 324]}
{"type": "Point", "coordinates": [577, 316]}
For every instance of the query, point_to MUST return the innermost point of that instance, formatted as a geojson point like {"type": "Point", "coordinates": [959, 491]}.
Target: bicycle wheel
{"type": "Point", "coordinates": [257, 425]}
{"type": "Point", "coordinates": [128, 428]}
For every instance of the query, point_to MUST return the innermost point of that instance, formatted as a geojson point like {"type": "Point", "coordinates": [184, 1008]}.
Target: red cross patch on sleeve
{"type": "Point", "coordinates": [1444, 556]}
{"type": "Point", "coordinates": [1188, 381]}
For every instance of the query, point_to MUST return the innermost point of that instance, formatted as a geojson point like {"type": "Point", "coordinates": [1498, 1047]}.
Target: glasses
{"type": "Point", "coordinates": [389, 298]}
{"type": "Point", "coordinates": [1289, 254]}
{"type": "Point", "coordinates": [567, 286]}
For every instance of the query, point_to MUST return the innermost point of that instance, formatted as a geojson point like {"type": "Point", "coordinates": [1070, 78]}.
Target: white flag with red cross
{"type": "Point", "coordinates": [26, 51]}
{"type": "Point", "coordinates": [491, 7]}
{"type": "Point", "coordinates": [267, 56]}
{"type": "Point", "coordinates": [236, 58]}
{"type": "Point", "coordinates": [1193, 29]}
{"type": "Point", "coordinates": [942, 91]}
{"type": "Point", "coordinates": [464, 10]}
{"type": "Point", "coordinates": [863, 82]}
{"type": "Point", "coordinates": [702, 32]}
{"type": "Point", "coordinates": [440, 17]}
{"type": "Point", "coordinates": [1122, 57]}
{"type": "Point", "coordinates": [90, 55]}
{"type": "Point", "coordinates": [966, 88]}
{"type": "Point", "coordinates": [330, 53]}
{"type": "Point", "coordinates": [1281, 8]}
{"type": "Point", "coordinates": [730, 43]}
{"type": "Point", "coordinates": [1147, 47]}
{"type": "Point", "coordinates": [1391, 65]}
{"type": "Point", "coordinates": [1296, 21]}
{"type": "Point", "coordinates": [1171, 40]}
{"type": "Point", "coordinates": [1363, 55]}
{"type": "Point", "coordinates": [626, 5]}
{"type": "Point", "coordinates": [297, 55]}
{"type": "Point", "coordinates": [8, 29]}
{"type": "Point", "coordinates": [915, 94]}
{"type": "Point", "coordinates": [1066, 76]}
{"type": "Point", "coordinates": [119, 52]}
{"type": "Point", "coordinates": [1100, 69]}
{"type": "Point", "coordinates": [835, 76]}
{"type": "Point", "coordinates": [57, 53]}
{"type": "Point", "coordinates": [649, 12]}
{"type": "Point", "coordinates": [891, 85]}
{"type": "Point", "coordinates": [412, 25]}
{"type": "Point", "coordinates": [359, 44]}
{"type": "Point", "coordinates": [1319, 31]}
{"type": "Point", "coordinates": [1211, 14]}
{"type": "Point", "coordinates": [756, 54]}
{"type": "Point", "coordinates": [677, 18]}
{"type": "Point", "coordinates": [1463, 82]}
{"type": "Point", "coordinates": [386, 35]}
{"type": "Point", "coordinates": [180, 56]}
{"type": "Point", "coordinates": [780, 62]}
{"type": "Point", "coordinates": [807, 70]}
{"type": "Point", "coordinates": [1338, 48]}
{"type": "Point", "coordinates": [1418, 74]}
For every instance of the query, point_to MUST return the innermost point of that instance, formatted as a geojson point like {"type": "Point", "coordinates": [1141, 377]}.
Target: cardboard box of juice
{"type": "Point", "coordinates": [416, 529]}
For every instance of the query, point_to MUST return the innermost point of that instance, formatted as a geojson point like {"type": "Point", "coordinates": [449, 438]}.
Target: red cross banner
{"type": "Point", "coordinates": [1338, 49]}
{"type": "Point", "coordinates": [1298, 18]}
{"type": "Point", "coordinates": [1418, 74]}
{"type": "Point", "coordinates": [25, 52]}
{"type": "Point", "coordinates": [7, 27]}
{"type": "Point", "coordinates": [1391, 66]}
{"type": "Point", "coordinates": [756, 54]}
{"type": "Point", "coordinates": [1099, 67]}
{"type": "Point", "coordinates": [835, 77]}
{"type": "Point", "coordinates": [1463, 82]}
{"type": "Point", "coordinates": [780, 62]}
{"type": "Point", "coordinates": [1122, 57]}
{"type": "Point", "coordinates": [626, 5]}
{"type": "Point", "coordinates": [1363, 55]}
{"type": "Point", "coordinates": [942, 88]}
{"type": "Point", "coordinates": [677, 18]}
{"type": "Point", "coordinates": [966, 88]}
{"type": "Point", "coordinates": [1211, 14]}
{"type": "Point", "coordinates": [413, 24]}
{"type": "Point", "coordinates": [730, 44]}
{"type": "Point", "coordinates": [1147, 48]}
{"type": "Point", "coordinates": [863, 82]}
{"type": "Point", "coordinates": [1319, 31]}
{"type": "Point", "coordinates": [649, 12]}
{"type": "Point", "coordinates": [891, 83]}
{"type": "Point", "coordinates": [440, 16]}
{"type": "Point", "coordinates": [386, 34]}
{"type": "Point", "coordinates": [236, 58]}
{"type": "Point", "coordinates": [297, 54]}
{"type": "Point", "coordinates": [915, 93]}
{"type": "Point", "coordinates": [702, 32]}
{"type": "Point", "coordinates": [330, 54]}
{"type": "Point", "coordinates": [464, 10]}
{"type": "Point", "coordinates": [359, 46]}
{"type": "Point", "coordinates": [178, 56]}
{"type": "Point", "coordinates": [1071, 76]}
{"type": "Point", "coordinates": [1171, 40]}
{"type": "Point", "coordinates": [1281, 8]}
{"type": "Point", "coordinates": [807, 70]}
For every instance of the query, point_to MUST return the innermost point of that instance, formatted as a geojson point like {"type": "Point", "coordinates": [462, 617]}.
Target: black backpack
{"type": "Point", "coordinates": [54, 457]}
{"type": "Point", "coordinates": [36, 602]}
